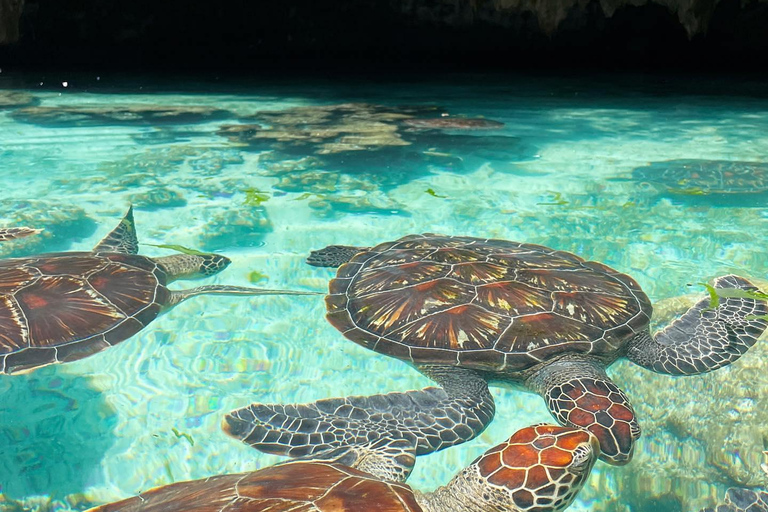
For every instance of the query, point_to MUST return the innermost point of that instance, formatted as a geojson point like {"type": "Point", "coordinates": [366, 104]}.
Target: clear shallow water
{"type": "Point", "coordinates": [559, 173]}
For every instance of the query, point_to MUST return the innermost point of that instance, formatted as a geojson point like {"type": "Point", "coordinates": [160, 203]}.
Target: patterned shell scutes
{"type": "Point", "coordinates": [484, 304]}
{"type": "Point", "coordinates": [295, 487]}
{"type": "Point", "coordinates": [534, 465]}
{"type": "Point", "coordinates": [66, 306]}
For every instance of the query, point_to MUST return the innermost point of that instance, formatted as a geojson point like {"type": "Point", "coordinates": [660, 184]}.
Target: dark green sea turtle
{"type": "Point", "coordinates": [540, 468]}
{"type": "Point", "coordinates": [469, 311]}
{"type": "Point", "coordinates": [706, 177]}
{"type": "Point", "coordinates": [65, 306]}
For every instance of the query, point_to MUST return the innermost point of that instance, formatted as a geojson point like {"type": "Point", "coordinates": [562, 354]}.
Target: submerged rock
{"type": "Point", "coordinates": [15, 99]}
{"type": "Point", "coordinates": [701, 433]}
{"type": "Point", "coordinates": [322, 129]}
{"type": "Point", "coordinates": [88, 115]}
{"type": "Point", "coordinates": [454, 123]}
{"type": "Point", "coordinates": [158, 198]}
{"type": "Point", "coordinates": [61, 226]}
{"type": "Point", "coordinates": [245, 226]}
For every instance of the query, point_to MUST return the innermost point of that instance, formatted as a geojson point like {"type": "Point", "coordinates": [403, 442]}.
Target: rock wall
{"type": "Point", "coordinates": [501, 33]}
{"type": "Point", "coordinates": [10, 14]}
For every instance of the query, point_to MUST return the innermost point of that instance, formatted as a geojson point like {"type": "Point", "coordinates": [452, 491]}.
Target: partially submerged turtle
{"type": "Point", "coordinates": [539, 468]}
{"type": "Point", "coordinates": [453, 123]}
{"type": "Point", "coordinates": [61, 307]}
{"type": "Point", "coordinates": [706, 177]}
{"type": "Point", "coordinates": [468, 312]}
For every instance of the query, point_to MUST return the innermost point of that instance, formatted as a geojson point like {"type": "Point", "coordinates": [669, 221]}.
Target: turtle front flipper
{"type": "Point", "coordinates": [579, 393]}
{"type": "Point", "coordinates": [333, 255]}
{"type": "Point", "coordinates": [20, 232]}
{"type": "Point", "coordinates": [122, 239]}
{"type": "Point", "coordinates": [742, 500]}
{"type": "Point", "coordinates": [436, 417]}
{"type": "Point", "coordinates": [705, 338]}
{"type": "Point", "coordinates": [390, 457]}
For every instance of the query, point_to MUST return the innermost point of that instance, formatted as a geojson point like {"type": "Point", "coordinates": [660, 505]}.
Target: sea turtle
{"type": "Point", "coordinates": [16, 232]}
{"type": "Point", "coordinates": [739, 499]}
{"type": "Point", "coordinates": [742, 500]}
{"type": "Point", "coordinates": [706, 177]}
{"type": "Point", "coordinates": [65, 306]}
{"type": "Point", "coordinates": [539, 468]}
{"type": "Point", "coordinates": [471, 311]}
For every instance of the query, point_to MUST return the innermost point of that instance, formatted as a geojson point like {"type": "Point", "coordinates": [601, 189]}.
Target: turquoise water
{"type": "Point", "coordinates": [578, 165]}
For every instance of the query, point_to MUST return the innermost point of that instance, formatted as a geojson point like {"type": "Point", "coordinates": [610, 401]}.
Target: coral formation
{"type": "Point", "coordinates": [61, 224]}
{"type": "Point", "coordinates": [157, 198]}
{"type": "Point", "coordinates": [9, 99]}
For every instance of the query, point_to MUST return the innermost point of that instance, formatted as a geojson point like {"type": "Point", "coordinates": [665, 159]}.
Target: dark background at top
{"type": "Point", "coordinates": [370, 35]}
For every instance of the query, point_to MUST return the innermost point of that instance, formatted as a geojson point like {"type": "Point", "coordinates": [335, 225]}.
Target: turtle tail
{"type": "Point", "coordinates": [705, 337]}
{"type": "Point", "coordinates": [333, 255]}
{"type": "Point", "coordinates": [436, 418]}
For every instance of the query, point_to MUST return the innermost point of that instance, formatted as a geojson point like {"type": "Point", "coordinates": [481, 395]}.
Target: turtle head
{"type": "Point", "coordinates": [598, 405]}
{"type": "Point", "coordinates": [192, 266]}
{"type": "Point", "coordinates": [541, 467]}
{"type": "Point", "coordinates": [211, 264]}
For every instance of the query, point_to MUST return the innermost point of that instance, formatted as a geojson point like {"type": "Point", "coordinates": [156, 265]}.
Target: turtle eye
{"type": "Point", "coordinates": [582, 459]}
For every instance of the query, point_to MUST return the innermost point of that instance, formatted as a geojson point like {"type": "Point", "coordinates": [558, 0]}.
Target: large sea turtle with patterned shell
{"type": "Point", "coordinates": [65, 306]}
{"type": "Point", "coordinates": [541, 468]}
{"type": "Point", "coordinates": [467, 312]}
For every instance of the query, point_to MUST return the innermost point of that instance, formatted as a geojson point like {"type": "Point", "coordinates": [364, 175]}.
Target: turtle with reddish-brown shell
{"type": "Point", "coordinates": [62, 307]}
{"type": "Point", "coordinates": [470, 311]}
{"type": "Point", "coordinates": [540, 468]}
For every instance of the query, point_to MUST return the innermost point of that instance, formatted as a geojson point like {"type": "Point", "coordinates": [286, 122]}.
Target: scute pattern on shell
{"type": "Point", "coordinates": [295, 487]}
{"type": "Point", "coordinates": [484, 304]}
{"type": "Point", "coordinates": [66, 306]}
{"type": "Point", "coordinates": [535, 466]}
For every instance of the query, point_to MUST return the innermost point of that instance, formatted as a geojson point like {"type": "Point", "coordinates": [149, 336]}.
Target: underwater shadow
{"type": "Point", "coordinates": [55, 429]}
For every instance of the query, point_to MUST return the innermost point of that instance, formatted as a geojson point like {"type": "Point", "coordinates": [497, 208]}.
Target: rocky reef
{"type": "Point", "coordinates": [61, 225]}
{"type": "Point", "coordinates": [701, 434]}
{"type": "Point", "coordinates": [88, 115]}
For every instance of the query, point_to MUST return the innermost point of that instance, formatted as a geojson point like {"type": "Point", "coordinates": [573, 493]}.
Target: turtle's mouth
{"type": "Point", "coordinates": [236, 427]}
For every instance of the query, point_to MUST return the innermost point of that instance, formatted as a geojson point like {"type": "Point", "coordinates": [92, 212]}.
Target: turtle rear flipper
{"type": "Point", "coordinates": [122, 239]}
{"type": "Point", "coordinates": [705, 338]}
{"type": "Point", "coordinates": [333, 255]}
{"type": "Point", "coordinates": [20, 232]}
{"type": "Point", "coordinates": [436, 417]}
